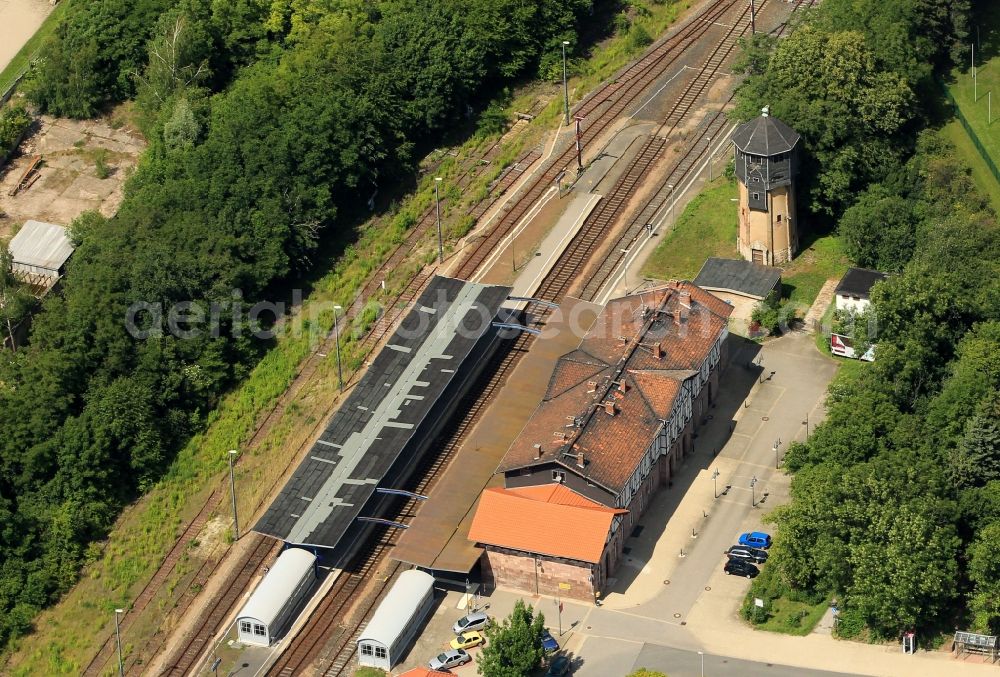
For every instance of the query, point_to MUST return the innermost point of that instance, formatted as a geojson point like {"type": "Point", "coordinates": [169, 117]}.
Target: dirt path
{"type": "Point", "coordinates": [19, 19]}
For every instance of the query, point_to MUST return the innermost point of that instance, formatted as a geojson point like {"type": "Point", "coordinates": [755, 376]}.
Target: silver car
{"type": "Point", "coordinates": [474, 621]}
{"type": "Point", "coordinates": [449, 659]}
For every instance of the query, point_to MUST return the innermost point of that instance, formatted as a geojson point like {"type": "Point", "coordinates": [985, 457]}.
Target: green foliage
{"type": "Point", "coordinates": [369, 672]}
{"type": "Point", "coordinates": [984, 574]}
{"type": "Point", "coordinates": [513, 648]}
{"type": "Point", "coordinates": [646, 672]}
{"type": "Point", "coordinates": [14, 122]}
{"type": "Point", "coordinates": [879, 230]}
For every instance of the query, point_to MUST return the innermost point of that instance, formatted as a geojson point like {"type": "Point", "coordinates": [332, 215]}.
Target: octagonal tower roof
{"type": "Point", "coordinates": [765, 135]}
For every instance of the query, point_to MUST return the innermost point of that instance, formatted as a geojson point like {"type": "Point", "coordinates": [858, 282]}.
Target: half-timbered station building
{"type": "Point", "coordinates": [617, 418]}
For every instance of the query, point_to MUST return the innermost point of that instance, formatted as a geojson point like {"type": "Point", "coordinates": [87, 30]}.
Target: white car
{"type": "Point", "coordinates": [449, 659]}
{"type": "Point", "coordinates": [474, 621]}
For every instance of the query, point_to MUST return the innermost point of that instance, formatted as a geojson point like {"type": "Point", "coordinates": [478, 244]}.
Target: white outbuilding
{"type": "Point", "coordinates": [397, 620]}
{"type": "Point", "coordinates": [270, 607]}
{"type": "Point", "coordinates": [38, 253]}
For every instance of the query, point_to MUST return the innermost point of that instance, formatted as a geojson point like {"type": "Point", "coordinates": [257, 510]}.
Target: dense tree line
{"type": "Point", "coordinates": [266, 120]}
{"type": "Point", "coordinates": [895, 506]}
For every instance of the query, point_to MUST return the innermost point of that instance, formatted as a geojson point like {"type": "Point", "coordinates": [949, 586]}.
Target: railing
{"type": "Point", "coordinates": [972, 134]}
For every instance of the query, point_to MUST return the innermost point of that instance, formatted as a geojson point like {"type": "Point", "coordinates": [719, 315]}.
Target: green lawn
{"type": "Point", "coordinates": [793, 618]}
{"type": "Point", "coordinates": [981, 174]}
{"type": "Point", "coordinates": [21, 59]}
{"type": "Point", "coordinates": [823, 259]}
{"type": "Point", "coordinates": [706, 228]}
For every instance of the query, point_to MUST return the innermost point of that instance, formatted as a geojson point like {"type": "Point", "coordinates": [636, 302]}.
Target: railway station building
{"type": "Point", "coordinates": [618, 416]}
{"type": "Point", "coordinates": [378, 436]}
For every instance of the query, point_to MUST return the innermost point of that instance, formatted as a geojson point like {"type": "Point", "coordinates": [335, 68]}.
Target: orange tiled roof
{"type": "Point", "coordinates": [422, 672]}
{"type": "Point", "coordinates": [528, 520]}
{"type": "Point", "coordinates": [648, 344]}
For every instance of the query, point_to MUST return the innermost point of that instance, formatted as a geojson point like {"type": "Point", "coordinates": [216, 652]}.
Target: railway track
{"type": "Point", "coordinates": [624, 95]}
{"type": "Point", "coordinates": [184, 661]}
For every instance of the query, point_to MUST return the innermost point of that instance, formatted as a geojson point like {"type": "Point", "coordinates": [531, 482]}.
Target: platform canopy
{"type": "Point", "coordinates": [386, 414]}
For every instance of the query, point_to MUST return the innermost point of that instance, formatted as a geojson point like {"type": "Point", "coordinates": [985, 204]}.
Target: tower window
{"type": "Point", "coordinates": [558, 476]}
{"type": "Point", "coordinates": [779, 218]}
{"type": "Point", "coordinates": [756, 196]}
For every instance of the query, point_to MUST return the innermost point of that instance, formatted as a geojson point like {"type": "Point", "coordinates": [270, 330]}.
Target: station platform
{"type": "Point", "coordinates": [437, 539]}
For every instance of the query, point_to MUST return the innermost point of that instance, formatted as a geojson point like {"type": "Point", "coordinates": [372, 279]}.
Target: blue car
{"type": "Point", "coordinates": [756, 539]}
{"type": "Point", "coordinates": [549, 642]}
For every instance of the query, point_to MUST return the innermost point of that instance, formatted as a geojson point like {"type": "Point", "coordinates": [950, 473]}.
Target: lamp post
{"type": "Point", "coordinates": [710, 158]}
{"type": "Point", "coordinates": [565, 82]}
{"type": "Point", "coordinates": [702, 654]}
{"type": "Point", "coordinates": [777, 443]}
{"type": "Point", "coordinates": [336, 339]}
{"type": "Point", "coordinates": [232, 489]}
{"type": "Point", "coordinates": [753, 19]}
{"type": "Point", "coordinates": [715, 483]}
{"type": "Point", "coordinates": [437, 209]}
{"type": "Point", "coordinates": [118, 639]}
{"type": "Point", "coordinates": [671, 198]}
{"type": "Point", "coordinates": [625, 263]}
{"type": "Point", "coordinates": [753, 493]}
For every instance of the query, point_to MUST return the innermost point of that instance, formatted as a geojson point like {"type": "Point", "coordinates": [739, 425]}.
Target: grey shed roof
{"type": "Point", "coordinates": [859, 281]}
{"type": "Point", "coordinates": [765, 135]}
{"type": "Point", "coordinates": [43, 245]}
{"type": "Point", "coordinates": [368, 434]}
{"type": "Point", "coordinates": [737, 275]}
{"type": "Point", "coordinates": [395, 611]}
{"type": "Point", "coordinates": [278, 585]}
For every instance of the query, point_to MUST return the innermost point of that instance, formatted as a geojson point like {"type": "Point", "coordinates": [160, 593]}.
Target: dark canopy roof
{"type": "Point", "coordinates": [765, 135]}
{"type": "Point", "coordinates": [737, 275]}
{"type": "Point", "coordinates": [859, 281]}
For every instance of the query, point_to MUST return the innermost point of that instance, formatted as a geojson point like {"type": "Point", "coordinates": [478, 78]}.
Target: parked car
{"type": "Point", "coordinates": [558, 667]}
{"type": "Point", "coordinates": [754, 555]}
{"type": "Point", "coordinates": [474, 621]}
{"type": "Point", "coordinates": [741, 567]}
{"type": "Point", "coordinates": [756, 539]}
{"type": "Point", "coordinates": [449, 659]}
{"type": "Point", "coordinates": [467, 640]}
{"type": "Point", "coordinates": [549, 642]}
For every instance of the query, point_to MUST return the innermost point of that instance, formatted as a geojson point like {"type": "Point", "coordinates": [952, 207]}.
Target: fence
{"type": "Point", "coordinates": [972, 134]}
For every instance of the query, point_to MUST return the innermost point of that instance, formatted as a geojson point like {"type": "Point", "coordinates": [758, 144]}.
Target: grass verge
{"type": "Point", "coordinates": [706, 228]}
{"type": "Point", "coordinates": [821, 260]}
{"type": "Point", "coordinates": [68, 634]}
{"type": "Point", "coordinates": [784, 610]}
{"type": "Point", "coordinates": [981, 174]}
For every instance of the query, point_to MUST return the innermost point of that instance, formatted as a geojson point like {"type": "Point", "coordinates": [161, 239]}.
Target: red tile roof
{"type": "Point", "coordinates": [554, 522]}
{"type": "Point", "coordinates": [423, 672]}
{"type": "Point", "coordinates": [632, 362]}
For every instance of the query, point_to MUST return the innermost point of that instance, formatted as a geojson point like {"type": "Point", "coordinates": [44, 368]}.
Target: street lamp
{"type": "Point", "coordinates": [671, 198]}
{"type": "Point", "coordinates": [118, 639]}
{"type": "Point", "coordinates": [777, 463]}
{"type": "Point", "coordinates": [702, 654]}
{"type": "Point", "coordinates": [565, 83]}
{"type": "Point", "coordinates": [437, 209]}
{"type": "Point", "coordinates": [710, 159]}
{"type": "Point", "coordinates": [232, 489]}
{"type": "Point", "coordinates": [336, 338]}
{"type": "Point", "coordinates": [625, 252]}
{"type": "Point", "coordinates": [715, 483]}
{"type": "Point", "coordinates": [753, 493]}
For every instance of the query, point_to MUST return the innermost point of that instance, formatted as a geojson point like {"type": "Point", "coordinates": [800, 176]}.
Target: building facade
{"type": "Point", "coordinates": [617, 419]}
{"type": "Point", "coordinates": [766, 163]}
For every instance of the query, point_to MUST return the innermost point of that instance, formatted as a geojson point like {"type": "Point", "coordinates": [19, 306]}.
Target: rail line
{"type": "Point", "coordinates": [307, 646]}
{"type": "Point", "coordinates": [624, 95]}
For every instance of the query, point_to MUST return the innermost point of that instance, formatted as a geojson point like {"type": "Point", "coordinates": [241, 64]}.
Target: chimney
{"type": "Point", "coordinates": [609, 407]}
{"type": "Point", "coordinates": [580, 460]}
{"type": "Point", "coordinates": [658, 350]}
{"type": "Point", "coordinates": [684, 306]}
{"type": "Point", "coordinates": [538, 451]}
{"type": "Point", "coordinates": [591, 386]}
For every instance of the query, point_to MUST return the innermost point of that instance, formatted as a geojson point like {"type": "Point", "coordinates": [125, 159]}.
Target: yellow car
{"type": "Point", "coordinates": [467, 640]}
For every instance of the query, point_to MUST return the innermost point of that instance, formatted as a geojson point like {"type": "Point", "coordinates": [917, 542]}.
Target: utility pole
{"type": "Point", "coordinates": [232, 488]}
{"type": "Point", "coordinates": [710, 158]}
{"type": "Point", "coordinates": [753, 19]}
{"type": "Point", "coordinates": [625, 263]}
{"type": "Point", "coordinates": [118, 639]}
{"type": "Point", "coordinates": [671, 198]}
{"type": "Point", "coordinates": [336, 338]}
{"type": "Point", "coordinates": [565, 82]}
{"type": "Point", "coordinates": [437, 209]}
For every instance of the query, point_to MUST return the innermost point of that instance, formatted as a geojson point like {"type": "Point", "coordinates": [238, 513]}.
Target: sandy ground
{"type": "Point", "coordinates": [69, 182]}
{"type": "Point", "coordinates": [19, 19]}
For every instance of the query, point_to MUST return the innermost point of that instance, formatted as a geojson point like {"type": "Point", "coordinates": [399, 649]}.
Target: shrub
{"type": "Point", "coordinates": [14, 122]}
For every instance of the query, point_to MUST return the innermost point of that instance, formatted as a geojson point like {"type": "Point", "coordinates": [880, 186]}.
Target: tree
{"type": "Point", "coordinates": [984, 574]}
{"type": "Point", "coordinates": [879, 230]}
{"type": "Point", "coordinates": [514, 648]}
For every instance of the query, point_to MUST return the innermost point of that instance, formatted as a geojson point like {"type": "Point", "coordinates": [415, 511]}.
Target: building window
{"type": "Point", "coordinates": [558, 476]}
{"type": "Point", "coordinates": [756, 196]}
{"type": "Point", "coordinates": [259, 630]}
{"type": "Point", "coordinates": [779, 218]}
{"type": "Point", "coordinates": [366, 650]}
{"type": "Point", "coordinates": [245, 627]}
{"type": "Point", "coordinates": [380, 652]}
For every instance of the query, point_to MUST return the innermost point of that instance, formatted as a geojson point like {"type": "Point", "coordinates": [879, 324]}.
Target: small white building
{"type": "Point", "coordinates": [397, 620]}
{"type": "Point", "coordinates": [269, 609]}
{"type": "Point", "coordinates": [38, 253]}
{"type": "Point", "coordinates": [854, 291]}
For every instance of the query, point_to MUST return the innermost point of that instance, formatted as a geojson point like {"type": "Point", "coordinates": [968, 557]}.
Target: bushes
{"type": "Point", "coordinates": [14, 122]}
